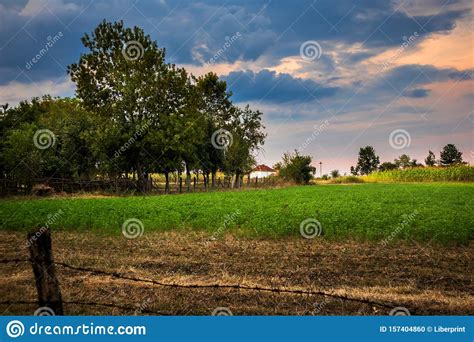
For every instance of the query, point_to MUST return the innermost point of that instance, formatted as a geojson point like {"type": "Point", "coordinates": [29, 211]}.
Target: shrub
{"type": "Point", "coordinates": [347, 180]}
{"type": "Point", "coordinates": [42, 190]}
{"type": "Point", "coordinates": [296, 168]}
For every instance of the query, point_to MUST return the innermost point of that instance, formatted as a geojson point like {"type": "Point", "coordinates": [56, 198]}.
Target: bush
{"type": "Point", "coordinates": [347, 180]}
{"type": "Point", "coordinates": [296, 168]}
{"type": "Point", "coordinates": [42, 190]}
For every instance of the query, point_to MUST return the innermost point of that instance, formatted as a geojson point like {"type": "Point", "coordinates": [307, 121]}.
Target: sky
{"type": "Point", "coordinates": [329, 76]}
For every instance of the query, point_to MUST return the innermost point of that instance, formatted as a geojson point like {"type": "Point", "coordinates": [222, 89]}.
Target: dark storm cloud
{"type": "Point", "coordinates": [406, 77]}
{"type": "Point", "coordinates": [417, 93]}
{"type": "Point", "coordinates": [268, 86]}
{"type": "Point", "coordinates": [192, 32]}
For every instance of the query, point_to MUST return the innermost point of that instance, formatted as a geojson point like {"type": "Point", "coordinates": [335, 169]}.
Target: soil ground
{"type": "Point", "coordinates": [427, 279]}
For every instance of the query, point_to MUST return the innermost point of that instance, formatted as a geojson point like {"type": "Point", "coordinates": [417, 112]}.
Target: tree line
{"type": "Point", "coordinates": [133, 114]}
{"type": "Point", "coordinates": [368, 161]}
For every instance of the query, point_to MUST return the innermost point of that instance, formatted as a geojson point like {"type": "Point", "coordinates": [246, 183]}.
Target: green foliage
{"type": "Point", "coordinates": [403, 161]}
{"type": "Point", "coordinates": [386, 166]}
{"type": "Point", "coordinates": [296, 168]}
{"type": "Point", "coordinates": [362, 211]}
{"type": "Point", "coordinates": [367, 162]}
{"type": "Point", "coordinates": [460, 173]}
{"type": "Point", "coordinates": [347, 180]}
{"type": "Point", "coordinates": [430, 160]}
{"type": "Point", "coordinates": [450, 155]}
{"type": "Point", "coordinates": [70, 153]}
{"type": "Point", "coordinates": [135, 115]}
{"type": "Point", "coordinates": [335, 173]}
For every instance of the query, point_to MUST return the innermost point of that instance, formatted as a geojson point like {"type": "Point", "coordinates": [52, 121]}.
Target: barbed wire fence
{"type": "Point", "coordinates": [49, 293]}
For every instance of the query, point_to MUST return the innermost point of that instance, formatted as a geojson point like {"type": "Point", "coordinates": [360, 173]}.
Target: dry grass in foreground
{"type": "Point", "coordinates": [426, 279]}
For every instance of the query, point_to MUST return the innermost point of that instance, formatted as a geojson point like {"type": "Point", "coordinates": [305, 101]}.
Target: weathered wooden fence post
{"type": "Point", "coordinates": [47, 285]}
{"type": "Point", "coordinates": [194, 183]}
{"type": "Point", "coordinates": [180, 184]}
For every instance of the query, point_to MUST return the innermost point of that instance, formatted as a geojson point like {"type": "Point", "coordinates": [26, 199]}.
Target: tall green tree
{"type": "Point", "coordinates": [430, 160]}
{"type": "Point", "coordinates": [216, 109]}
{"type": "Point", "coordinates": [368, 161]}
{"type": "Point", "coordinates": [123, 78]}
{"type": "Point", "coordinates": [247, 134]}
{"type": "Point", "coordinates": [450, 155]}
{"type": "Point", "coordinates": [403, 161]}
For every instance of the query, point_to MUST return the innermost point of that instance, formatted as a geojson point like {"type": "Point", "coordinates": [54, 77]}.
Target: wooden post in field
{"type": "Point", "coordinates": [194, 183]}
{"type": "Point", "coordinates": [180, 184]}
{"type": "Point", "coordinates": [47, 285]}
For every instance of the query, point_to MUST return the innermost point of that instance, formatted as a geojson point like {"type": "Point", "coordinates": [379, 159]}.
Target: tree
{"type": "Point", "coordinates": [353, 171]}
{"type": "Point", "coordinates": [18, 147]}
{"type": "Point", "coordinates": [134, 115]}
{"type": "Point", "coordinates": [386, 166]}
{"type": "Point", "coordinates": [50, 140]}
{"type": "Point", "coordinates": [247, 134]}
{"type": "Point", "coordinates": [124, 78]}
{"type": "Point", "coordinates": [335, 173]}
{"type": "Point", "coordinates": [297, 168]}
{"type": "Point", "coordinates": [430, 160]}
{"type": "Point", "coordinates": [368, 161]}
{"type": "Point", "coordinates": [450, 155]}
{"type": "Point", "coordinates": [216, 109]}
{"type": "Point", "coordinates": [403, 161]}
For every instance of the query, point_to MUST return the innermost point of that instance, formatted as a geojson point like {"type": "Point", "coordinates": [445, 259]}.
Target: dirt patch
{"type": "Point", "coordinates": [425, 279]}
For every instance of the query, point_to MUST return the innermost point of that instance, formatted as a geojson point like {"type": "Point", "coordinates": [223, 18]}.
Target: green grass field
{"type": "Point", "coordinates": [441, 212]}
